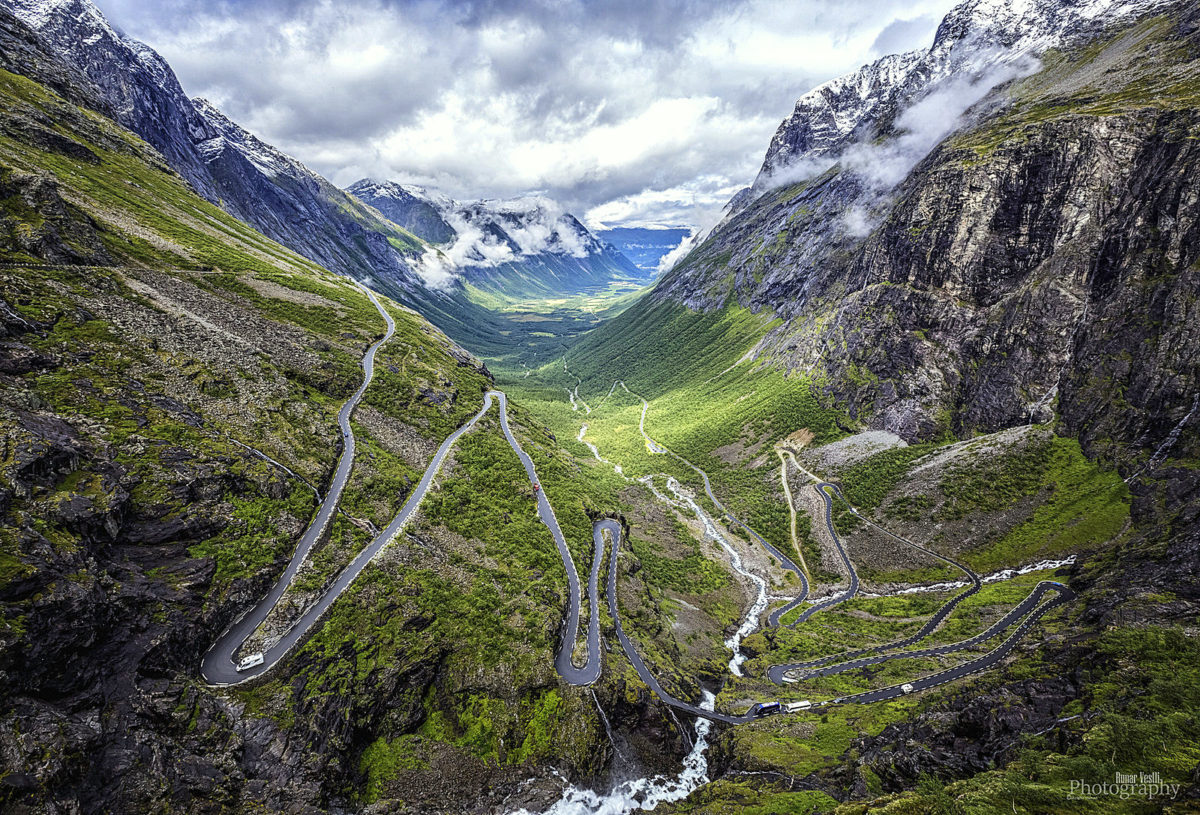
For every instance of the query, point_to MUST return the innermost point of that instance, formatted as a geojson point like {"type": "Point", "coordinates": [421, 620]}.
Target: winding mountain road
{"type": "Point", "coordinates": [859, 659]}
{"type": "Point", "coordinates": [1029, 609]}
{"type": "Point", "coordinates": [784, 561]}
{"type": "Point", "coordinates": [218, 666]}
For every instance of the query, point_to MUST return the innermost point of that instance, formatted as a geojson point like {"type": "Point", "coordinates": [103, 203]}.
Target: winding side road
{"type": "Point", "coordinates": [1031, 609]}
{"type": "Point", "coordinates": [219, 666]}
{"type": "Point", "coordinates": [779, 673]}
{"type": "Point", "coordinates": [784, 561]}
{"type": "Point", "coordinates": [590, 672]}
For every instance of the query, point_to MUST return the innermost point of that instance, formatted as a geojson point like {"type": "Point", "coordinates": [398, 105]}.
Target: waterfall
{"type": "Point", "coordinates": [642, 793]}
{"type": "Point", "coordinates": [607, 728]}
{"type": "Point", "coordinates": [1160, 454]}
{"type": "Point", "coordinates": [760, 602]}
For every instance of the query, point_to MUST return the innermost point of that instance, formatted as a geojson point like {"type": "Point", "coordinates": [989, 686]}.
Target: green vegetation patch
{"type": "Point", "coordinates": [1139, 713]}
{"type": "Point", "coordinates": [997, 483]}
{"type": "Point", "coordinates": [1084, 506]}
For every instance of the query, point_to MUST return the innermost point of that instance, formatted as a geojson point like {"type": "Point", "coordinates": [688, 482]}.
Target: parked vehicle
{"type": "Point", "coordinates": [250, 662]}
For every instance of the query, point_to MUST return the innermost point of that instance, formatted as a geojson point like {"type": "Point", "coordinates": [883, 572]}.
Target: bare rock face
{"type": "Point", "coordinates": [995, 281]}
{"type": "Point", "coordinates": [967, 734]}
{"type": "Point", "coordinates": [975, 36]}
{"type": "Point", "coordinates": [1041, 260]}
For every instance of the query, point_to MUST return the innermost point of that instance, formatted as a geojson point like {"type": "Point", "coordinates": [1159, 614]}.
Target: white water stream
{"type": "Point", "coordinates": [607, 727]}
{"type": "Point", "coordinates": [760, 602]}
{"type": "Point", "coordinates": [647, 793]}
{"type": "Point", "coordinates": [596, 452]}
{"type": "Point", "coordinates": [1003, 574]}
{"type": "Point", "coordinates": [642, 793]}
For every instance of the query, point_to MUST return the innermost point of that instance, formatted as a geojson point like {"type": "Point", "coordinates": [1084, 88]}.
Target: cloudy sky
{"type": "Point", "coordinates": [629, 112]}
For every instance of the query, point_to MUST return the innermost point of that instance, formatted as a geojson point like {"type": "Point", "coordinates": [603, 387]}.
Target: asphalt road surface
{"type": "Point", "coordinates": [784, 561]}
{"type": "Point", "coordinates": [218, 665]}
{"type": "Point", "coordinates": [777, 673]}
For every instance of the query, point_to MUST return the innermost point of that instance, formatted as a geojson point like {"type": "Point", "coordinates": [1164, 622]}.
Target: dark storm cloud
{"type": "Point", "coordinates": [629, 110]}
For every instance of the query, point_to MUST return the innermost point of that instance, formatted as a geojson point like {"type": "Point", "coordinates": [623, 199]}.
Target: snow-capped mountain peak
{"type": "Point", "coordinates": [487, 232]}
{"type": "Point", "coordinates": [975, 39]}
{"type": "Point", "coordinates": [490, 239]}
{"type": "Point", "coordinates": [228, 133]}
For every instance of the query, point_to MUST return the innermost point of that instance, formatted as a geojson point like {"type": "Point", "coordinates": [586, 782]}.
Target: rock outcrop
{"type": "Point", "coordinates": [1015, 272]}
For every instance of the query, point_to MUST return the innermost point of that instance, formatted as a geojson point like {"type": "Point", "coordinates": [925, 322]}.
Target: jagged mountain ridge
{"type": "Point", "coordinates": [509, 246]}
{"type": "Point", "coordinates": [987, 232]}
{"type": "Point", "coordinates": [229, 167]}
{"type": "Point", "coordinates": [975, 36]}
{"type": "Point", "coordinates": [1042, 264]}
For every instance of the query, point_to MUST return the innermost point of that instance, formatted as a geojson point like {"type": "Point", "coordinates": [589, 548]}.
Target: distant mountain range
{"type": "Point", "coordinates": [645, 246]}
{"type": "Point", "coordinates": [521, 247]}
{"type": "Point", "coordinates": [964, 290]}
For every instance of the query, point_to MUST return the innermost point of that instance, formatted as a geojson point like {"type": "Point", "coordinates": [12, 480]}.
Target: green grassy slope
{"type": "Point", "coordinates": [130, 386]}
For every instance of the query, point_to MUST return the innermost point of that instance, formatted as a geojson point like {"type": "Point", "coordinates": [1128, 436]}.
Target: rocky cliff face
{"type": "Point", "coordinates": [999, 281]}
{"type": "Point", "coordinates": [1040, 263]}
{"type": "Point", "coordinates": [974, 39]}
{"type": "Point", "coordinates": [169, 382]}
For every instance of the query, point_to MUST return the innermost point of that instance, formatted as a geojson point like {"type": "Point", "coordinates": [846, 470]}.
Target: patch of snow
{"type": "Point", "coordinates": [980, 42]}
{"type": "Point", "coordinates": [269, 161]}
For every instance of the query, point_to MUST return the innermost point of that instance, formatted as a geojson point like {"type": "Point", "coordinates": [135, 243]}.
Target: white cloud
{"type": "Point", "coordinates": [667, 262]}
{"type": "Point", "coordinates": [436, 270]}
{"type": "Point", "coordinates": [491, 233]}
{"type": "Point", "coordinates": [881, 165]}
{"type": "Point", "coordinates": [857, 221]}
{"type": "Point", "coordinates": [923, 125]}
{"type": "Point", "coordinates": [630, 112]}
{"type": "Point", "coordinates": [698, 202]}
